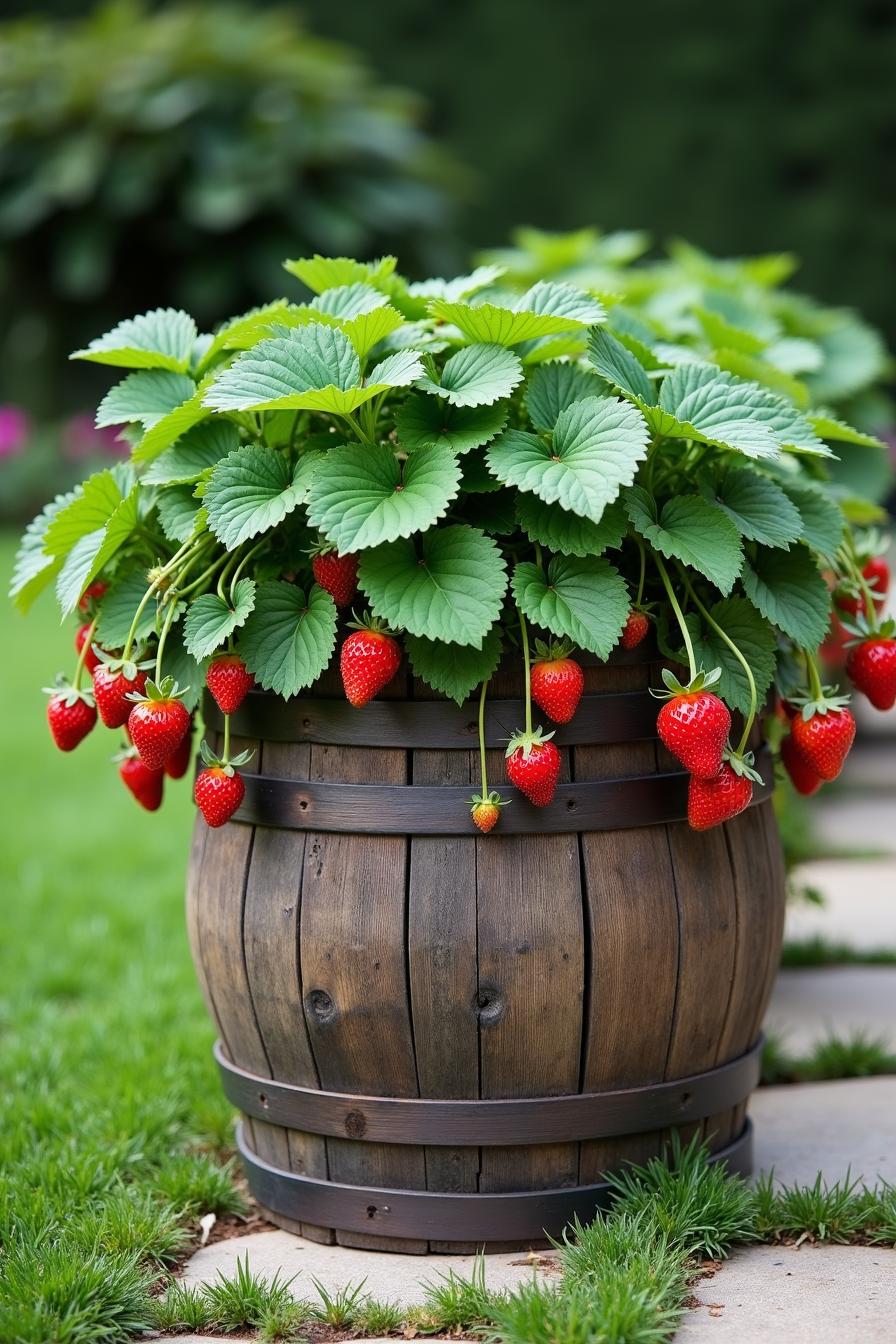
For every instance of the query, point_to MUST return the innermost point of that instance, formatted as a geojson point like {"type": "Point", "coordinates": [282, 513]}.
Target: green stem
{"type": "Point", "coordinates": [226, 739]}
{"type": "Point", "coordinates": [816, 690]}
{"type": "Point", "coordinates": [482, 767]}
{"type": "Point", "coordinates": [250, 555]}
{"type": "Point", "coordinates": [163, 636]}
{"type": "Point", "coordinates": [203, 577]}
{"type": "Point", "coordinates": [867, 596]}
{"type": "Point", "coordinates": [151, 590]}
{"type": "Point", "coordinates": [82, 656]}
{"type": "Point", "coordinates": [643, 572]}
{"type": "Point", "coordinates": [525, 642]}
{"type": "Point", "coordinates": [682, 623]}
{"type": "Point", "coordinates": [748, 671]}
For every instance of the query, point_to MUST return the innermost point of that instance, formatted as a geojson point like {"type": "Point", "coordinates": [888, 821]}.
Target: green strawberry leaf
{"type": "Point", "coordinates": [94, 550]}
{"type": "Point", "coordinates": [161, 339]}
{"type": "Point", "coordinates": [288, 639]}
{"type": "Point", "coordinates": [585, 600]}
{"type": "Point", "coordinates": [787, 588]}
{"type": "Point", "coordinates": [453, 669]}
{"type": "Point", "coordinates": [34, 569]}
{"type": "Point", "coordinates": [361, 497]}
{"type": "Point", "coordinates": [758, 508]}
{"type": "Point", "coordinates": [424, 422]}
{"type": "Point", "coordinates": [822, 519]}
{"type": "Point", "coordinates": [200, 449]}
{"type": "Point", "coordinates": [144, 396]}
{"type": "Point", "coordinates": [452, 589]}
{"type": "Point", "coordinates": [179, 510]}
{"type": "Point", "coordinates": [88, 511]}
{"type": "Point", "coordinates": [619, 367]}
{"type": "Point", "coordinates": [553, 387]}
{"type": "Point", "coordinates": [322, 273]}
{"type": "Point", "coordinates": [827, 426]}
{"type": "Point", "coordinates": [478, 375]}
{"type": "Point", "coordinates": [597, 445]}
{"type": "Point", "coordinates": [552, 526]}
{"type": "Point", "coordinates": [547, 308]}
{"type": "Point", "coordinates": [210, 620]}
{"type": "Point", "coordinates": [253, 489]}
{"type": "Point", "coordinates": [245, 331]}
{"type": "Point", "coordinates": [692, 530]}
{"type": "Point", "coordinates": [117, 611]}
{"type": "Point", "coordinates": [171, 427]}
{"type": "Point", "coordinates": [753, 636]}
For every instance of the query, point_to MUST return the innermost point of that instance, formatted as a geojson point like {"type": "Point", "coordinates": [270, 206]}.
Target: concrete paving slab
{"type": "Point", "coordinates": [828, 1127]}
{"type": "Point", "coordinates": [812, 1004]}
{"type": "Point", "coordinates": [859, 903]}
{"type": "Point", "coordinates": [854, 822]}
{"type": "Point", "coordinates": [396, 1278]}
{"type": "Point", "coordinates": [817, 1294]}
{"type": "Point", "coordinates": [870, 765]}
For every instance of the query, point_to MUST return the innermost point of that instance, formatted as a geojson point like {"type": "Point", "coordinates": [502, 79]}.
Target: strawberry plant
{"type": "Point", "coordinates": [458, 465]}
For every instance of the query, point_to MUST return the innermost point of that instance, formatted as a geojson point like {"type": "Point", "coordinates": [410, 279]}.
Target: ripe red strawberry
{"type": "Point", "coordinates": [712, 801]}
{"type": "Point", "coordinates": [557, 681]}
{"type": "Point", "coordinates": [178, 762]}
{"type": "Point", "coordinates": [486, 811]}
{"type": "Point", "coordinates": [824, 738]}
{"type": "Point", "coordinates": [145, 784]}
{"type": "Point", "coordinates": [871, 666]}
{"type": "Point", "coordinates": [635, 630]}
{"type": "Point", "coordinates": [802, 776]}
{"type": "Point", "coordinates": [91, 660]}
{"type": "Point", "coordinates": [337, 574]}
{"type": "Point", "coordinates": [112, 687]}
{"type": "Point", "coordinates": [91, 595]}
{"type": "Point", "coordinates": [158, 722]}
{"type": "Point", "coordinates": [694, 724]}
{"type": "Point", "coordinates": [876, 573]}
{"type": "Point", "coordinates": [71, 715]}
{"type": "Point", "coordinates": [533, 766]}
{"type": "Point", "coordinates": [218, 792]}
{"type": "Point", "coordinates": [229, 681]}
{"type": "Point", "coordinates": [368, 660]}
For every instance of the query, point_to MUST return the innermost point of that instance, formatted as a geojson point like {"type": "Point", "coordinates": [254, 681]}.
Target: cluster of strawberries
{"type": "Point", "coordinates": [156, 723]}
{"type": "Point", "coordinates": [820, 727]}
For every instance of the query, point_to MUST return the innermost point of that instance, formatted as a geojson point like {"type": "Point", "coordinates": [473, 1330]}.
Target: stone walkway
{"type": "Point", "coordinates": [859, 907]}
{"type": "Point", "coordinates": [810, 1005]}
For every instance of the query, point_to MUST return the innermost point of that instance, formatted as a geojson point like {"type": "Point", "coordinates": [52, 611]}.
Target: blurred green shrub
{"type": "Point", "coordinates": [176, 157]}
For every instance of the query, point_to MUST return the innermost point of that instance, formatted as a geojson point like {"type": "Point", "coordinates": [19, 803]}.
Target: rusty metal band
{"type": "Point", "coordinates": [410, 809]}
{"type": "Point", "coordinates": [434, 725]}
{"type": "Point", "coordinates": [446, 1123]}
{"type": "Point", "coordinates": [430, 1215]}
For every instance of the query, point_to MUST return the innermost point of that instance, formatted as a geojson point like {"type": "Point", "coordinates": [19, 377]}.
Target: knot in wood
{"type": "Point", "coordinates": [320, 1006]}
{"type": "Point", "coordinates": [355, 1125]}
{"type": "Point", "coordinates": [488, 1005]}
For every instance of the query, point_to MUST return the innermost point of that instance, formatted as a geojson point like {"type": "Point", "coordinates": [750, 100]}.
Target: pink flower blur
{"type": "Point", "coordinates": [15, 427]}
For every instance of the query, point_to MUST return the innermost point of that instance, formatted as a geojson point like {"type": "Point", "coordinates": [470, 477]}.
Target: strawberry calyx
{"type": "Point", "coordinates": [702, 681]}
{"type": "Point", "coordinates": [128, 667]}
{"type": "Point", "coordinates": [860, 629]}
{"type": "Point", "coordinates": [527, 741]}
{"type": "Point", "coordinates": [68, 694]}
{"type": "Point", "coordinates": [166, 689]}
{"type": "Point", "coordinates": [492, 799]}
{"type": "Point", "coordinates": [375, 624]}
{"type": "Point", "coordinates": [821, 701]}
{"type": "Point", "coordinates": [742, 764]}
{"type": "Point", "coordinates": [554, 651]}
{"type": "Point", "coordinates": [228, 766]}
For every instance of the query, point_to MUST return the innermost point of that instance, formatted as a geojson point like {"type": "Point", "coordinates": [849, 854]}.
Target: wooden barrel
{"type": "Point", "coordinates": [440, 1040]}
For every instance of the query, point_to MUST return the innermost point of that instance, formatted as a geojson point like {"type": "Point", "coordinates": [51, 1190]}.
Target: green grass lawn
{"type": "Point", "coordinates": [111, 1116]}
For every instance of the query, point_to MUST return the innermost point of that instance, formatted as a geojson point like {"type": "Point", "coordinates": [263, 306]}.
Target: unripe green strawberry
{"type": "Point", "coordinates": [557, 681]}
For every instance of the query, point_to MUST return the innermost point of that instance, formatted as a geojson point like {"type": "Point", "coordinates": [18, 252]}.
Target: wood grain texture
{"type": "Point", "coordinates": [442, 967]}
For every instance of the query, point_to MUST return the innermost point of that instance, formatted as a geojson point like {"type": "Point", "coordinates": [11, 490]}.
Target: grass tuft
{"type": "Point", "coordinates": [182, 1307]}
{"type": "Point", "coordinates": [695, 1204]}
{"type": "Point", "coordinates": [54, 1292]}
{"type": "Point", "coordinates": [455, 1303]}
{"type": "Point", "coordinates": [339, 1308]}
{"type": "Point", "coordinates": [245, 1298]}
{"type": "Point", "coordinates": [614, 1308]}
{"type": "Point", "coordinates": [836, 1212]}
{"type": "Point", "coordinates": [379, 1318]}
{"type": "Point", "coordinates": [200, 1184]}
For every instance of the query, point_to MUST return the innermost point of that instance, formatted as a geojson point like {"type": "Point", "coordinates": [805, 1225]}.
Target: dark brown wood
{"type": "Point", "coordinates": [532, 1215]}
{"type": "Point", "coordinates": [431, 725]}
{"type": "Point", "coordinates": [370, 956]}
{"type": "Point", "coordinates": [565, 1118]}
{"type": "Point", "coordinates": [361, 809]}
